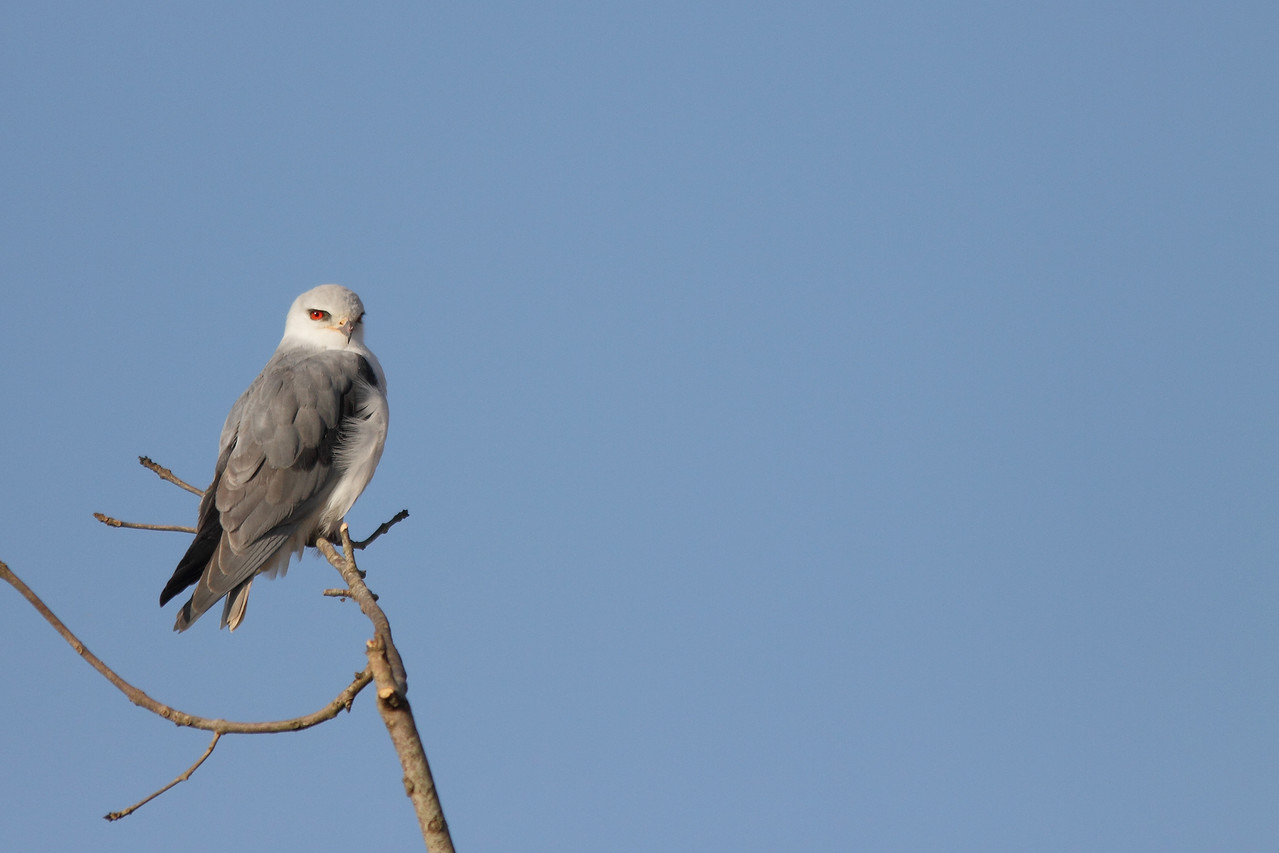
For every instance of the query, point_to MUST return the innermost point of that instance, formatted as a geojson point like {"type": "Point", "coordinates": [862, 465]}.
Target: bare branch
{"type": "Point", "coordinates": [385, 526]}
{"type": "Point", "coordinates": [185, 776]}
{"type": "Point", "coordinates": [343, 594]}
{"type": "Point", "coordinates": [165, 474]}
{"type": "Point", "coordinates": [393, 703]}
{"type": "Point", "coordinates": [364, 597]}
{"type": "Point", "coordinates": [385, 667]}
{"type": "Point", "coordinates": [115, 522]}
{"type": "Point", "coordinates": [341, 702]}
{"type": "Point", "coordinates": [419, 785]}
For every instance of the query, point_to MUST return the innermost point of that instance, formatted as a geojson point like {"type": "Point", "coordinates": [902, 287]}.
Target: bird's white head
{"type": "Point", "coordinates": [327, 317]}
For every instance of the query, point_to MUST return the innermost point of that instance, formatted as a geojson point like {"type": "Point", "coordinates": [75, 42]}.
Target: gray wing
{"type": "Point", "coordinates": [275, 469]}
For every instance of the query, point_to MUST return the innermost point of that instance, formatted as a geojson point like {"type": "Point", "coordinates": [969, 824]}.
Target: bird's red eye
{"type": "Point", "coordinates": [317, 314]}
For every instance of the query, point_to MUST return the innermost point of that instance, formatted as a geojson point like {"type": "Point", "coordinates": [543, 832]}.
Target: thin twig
{"type": "Point", "coordinates": [115, 522]}
{"type": "Point", "coordinates": [165, 474]}
{"type": "Point", "coordinates": [332, 709]}
{"type": "Point", "coordinates": [185, 776]}
{"type": "Point", "coordinates": [385, 526]}
{"type": "Point", "coordinates": [344, 593]}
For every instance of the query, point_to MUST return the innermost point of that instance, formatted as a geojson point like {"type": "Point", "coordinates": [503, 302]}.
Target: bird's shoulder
{"type": "Point", "coordinates": [292, 410]}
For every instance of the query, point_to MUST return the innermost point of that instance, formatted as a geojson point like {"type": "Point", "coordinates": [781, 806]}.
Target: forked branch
{"type": "Point", "coordinates": [384, 667]}
{"type": "Point", "coordinates": [392, 701]}
{"type": "Point", "coordinates": [341, 702]}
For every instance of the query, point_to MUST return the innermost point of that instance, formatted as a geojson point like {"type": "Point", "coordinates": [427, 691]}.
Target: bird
{"type": "Point", "coordinates": [296, 451]}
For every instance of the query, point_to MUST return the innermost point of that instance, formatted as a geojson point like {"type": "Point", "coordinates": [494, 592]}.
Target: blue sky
{"type": "Point", "coordinates": [825, 426]}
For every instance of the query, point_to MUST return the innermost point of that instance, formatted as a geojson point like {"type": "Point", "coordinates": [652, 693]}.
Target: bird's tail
{"type": "Point", "coordinates": [233, 608]}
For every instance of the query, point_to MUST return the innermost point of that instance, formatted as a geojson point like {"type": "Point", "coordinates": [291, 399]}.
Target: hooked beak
{"type": "Point", "coordinates": [346, 327]}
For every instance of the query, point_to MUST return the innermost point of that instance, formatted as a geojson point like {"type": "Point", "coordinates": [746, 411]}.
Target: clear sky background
{"type": "Point", "coordinates": [826, 426]}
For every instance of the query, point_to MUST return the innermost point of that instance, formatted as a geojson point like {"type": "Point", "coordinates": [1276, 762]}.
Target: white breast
{"type": "Point", "coordinates": [357, 457]}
